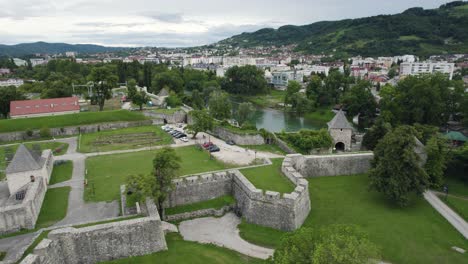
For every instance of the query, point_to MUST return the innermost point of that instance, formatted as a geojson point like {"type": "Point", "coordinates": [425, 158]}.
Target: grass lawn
{"type": "Point", "coordinates": [181, 251]}
{"type": "Point", "coordinates": [416, 234]}
{"type": "Point", "coordinates": [272, 148]}
{"type": "Point", "coordinates": [321, 114]}
{"type": "Point", "coordinates": [54, 207]}
{"type": "Point", "coordinates": [459, 205]}
{"type": "Point", "coordinates": [269, 178]}
{"type": "Point", "coordinates": [260, 235]}
{"type": "Point", "coordinates": [106, 173]}
{"type": "Point", "coordinates": [61, 172]}
{"type": "Point", "coordinates": [166, 111]}
{"type": "Point", "coordinates": [85, 118]}
{"type": "Point", "coordinates": [216, 203]}
{"type": "Point", "coordinates": [456, 187]}
{"type": "Point", "coordinates": [126, 138]}
{"type": "Point", "coordinates": [58, 149]}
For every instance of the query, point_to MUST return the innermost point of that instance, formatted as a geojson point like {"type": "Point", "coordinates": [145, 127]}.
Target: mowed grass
{"type": "Point", "coordinates": [260, 235]}
{"type": "Point", "coordinates": [415, 234]}
{"type": "Point", "coordinates": [269, 178]}
{"type": "Point", "coordinates": [85, 118]}
{"type": "Point", "coordinates": [459, 205]}
{"type": "Point", "coordinates": [126, 138]}
{"type": "Point", "coordinates": [54, 208]}
{"type": "Point", "coordinates": [456, 187]}
{"type": "Point", "coordinates": [57, 148]}
{"type": "Point", "coordinates": [271, 148]}
{"type": "Point", "coordinates": [216, 203]}
{"type": "Point", "coordinates": [180, 251]}
{"type": "Point", "coordinates": [106, 173]}
{"type": "Point", "coordinates": [61, 172]}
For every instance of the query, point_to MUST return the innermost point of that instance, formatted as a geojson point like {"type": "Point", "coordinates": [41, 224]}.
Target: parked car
{"type": "Point", "coordinates": [213, 148]}
{"type": "Point", "coordinates": [184, 139]}
{"type": "Point", "coordinates": [230, 142]}
{"type": "Point", "coordinates": [207, 144]}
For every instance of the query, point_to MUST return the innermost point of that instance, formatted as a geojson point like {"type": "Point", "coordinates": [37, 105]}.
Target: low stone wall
{"type": "Point", "coordinates": [239, 139]}
{"type": "Point", "coordinates": [283, 145]}
{"type": "Point", "coordinates": [73, 130]}
{"type": "Point", "coordinates": [200, 213]}
{"type": "Point", "coordinates": [177, 117]}
{"type": "Point", "coordinates": [23, 215]}
{"type": "Point", "coordinates": [93, 244]}
{"type": "Point", "coordinates": [332, 165]}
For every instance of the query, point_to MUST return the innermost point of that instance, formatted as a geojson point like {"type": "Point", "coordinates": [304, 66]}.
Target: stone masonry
{"type": "Point", "coordinates": [332, 165]}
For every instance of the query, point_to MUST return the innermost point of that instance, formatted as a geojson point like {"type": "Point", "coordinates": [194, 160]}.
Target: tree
{"type": "Point", "coordinates": [173, 100]}
{"type": "Point", "coordinates": [301, 104]}
{"type": "Point", "coordinates": [157, 185]}
{"type": "Point", "coordinates": [104, 81]}
{"type": "Point", "coordinates": [375, 133]}
{"type": "Point", "coordinates": [197, 100]}
{"type": "Point", "coordinates": [436, 160]}
{"type": "Point", "coordinates": [359, 99]}
{"type": "Point", "coordinates": [170, 79]}
{"type": "Point", "coordinates": [248, 80]}
{"type": "Point", "coordinates": [219, 105]}
{"type": "Point", "coordinates": [8, 94]}
{"type": "Point", "coordinates": [396, 169]}
{"type": "Point", "coordinates": [314, 87]}
{"type": "Point", "coordinates": [131, 88]}
{"type": "Point", "coordinates": [293, 87]}
{"type": "Point", "coordinates": [140, 99]}
{"type": "Point", "coordinates": [244, 112]}
{"type": "Point", "coordinates": [334, 244]}
{"type": "Point", "coordinates": [202, 121]}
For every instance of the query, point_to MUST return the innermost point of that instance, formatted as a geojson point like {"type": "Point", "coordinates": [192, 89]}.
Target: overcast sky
{"type": "Point", "coordinates": [172, 23]}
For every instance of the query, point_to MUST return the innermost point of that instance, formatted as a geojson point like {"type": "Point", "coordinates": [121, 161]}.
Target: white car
{"type": "Point", "coordinates": [184, 139]}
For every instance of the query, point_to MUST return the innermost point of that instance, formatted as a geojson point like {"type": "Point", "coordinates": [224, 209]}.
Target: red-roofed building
{"type": "Point", "coordinates": [44, 107]}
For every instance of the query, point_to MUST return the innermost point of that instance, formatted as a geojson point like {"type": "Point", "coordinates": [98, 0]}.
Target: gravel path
{"type": "Point", "coordinates": [222, 232]}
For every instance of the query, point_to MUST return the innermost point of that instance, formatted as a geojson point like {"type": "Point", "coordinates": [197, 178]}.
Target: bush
{"type": "Point", "coordinates": [306, 140]}
{"type": "Point", "coordinates": [29, 132]}
{"type": "Point", "coordinates": [45, 132]}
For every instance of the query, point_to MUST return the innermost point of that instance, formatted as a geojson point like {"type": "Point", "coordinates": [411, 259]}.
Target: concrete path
{"type": "Point", "coordinates": [15, 246]}
{"type": "Point", "coordinates": [453, 218]}
{"type": "Point", "coordinates": [222, 232]}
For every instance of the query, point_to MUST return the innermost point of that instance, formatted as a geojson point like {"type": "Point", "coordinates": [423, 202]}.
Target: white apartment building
{"type": "Point", "coordinates": [417, 68]}
{"type": "Point", "coordinates": [11, 82]}
{"type": "Point", "coordinates": [71, 54]}
{"type": "Point", "coordinates": [35, 62]}
{"type": "Point", "coordinates": [282, 78]}
{"type": "Point", "coordinates": [20, 62]}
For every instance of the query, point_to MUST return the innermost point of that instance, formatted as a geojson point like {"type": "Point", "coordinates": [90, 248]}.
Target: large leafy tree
{"type": "Point", "coordinates": [376, 133]}
{"type": "Point", "coordinates": [396, 169]}
{"type": "Point", "coordinates": [335, 244]}
{"type": "Point", "coordinates": [197, 100]}
{"type": "Point", "coordinates": [293, 87]}
{"type": "Point", "coordinates": [247, 80]}
{"type": "Point", "coordinates": [104, 81]}
{"type": "Point", "coordinates": [202, 121]}
{"type": "Point", "coordinates": [140, 99]}
{"type": "Point", "coordinates": [7, 95]}
{"type": "Point", "coordinates": [359, 100]}
{"type": "Point", "coordinates": [244, 112]}
{"type": "Point", "coordinates": [170, 79]}
{"type": "Point", "coordinates": [158, 184]}
{"type": "Point", "coordinates": [219, 104]}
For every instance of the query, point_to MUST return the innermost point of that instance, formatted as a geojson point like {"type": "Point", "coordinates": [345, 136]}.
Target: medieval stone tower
{"type": "Point", "coordinates": [341, 132]}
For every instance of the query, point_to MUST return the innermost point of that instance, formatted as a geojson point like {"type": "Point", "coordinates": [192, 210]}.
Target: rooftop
{"type": "Point", "coordinates": [24, 160]}
{"type": "Point", "coordinates": [339, 121]}
{"type": "Point", "coordinates": [39, 106]}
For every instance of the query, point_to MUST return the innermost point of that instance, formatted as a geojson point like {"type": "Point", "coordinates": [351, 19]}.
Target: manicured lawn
{"type": "Point", "coordinates": [459, 205]}
{"type": "Point", "coordinates": [61, 172]}
{"type": "Point", "coordinates": [216, 203]}
{"type": "Point", "coordinates": [57, 148]}
{"type": "Point", "coordinates": [272, 148]}
{"type": "Point", "coordinates": [269, 178]}
{"type": "Point", "coordinates": [416, 234]}
{"type": "Point", "coordinates": [181, 251]}
{"type": "Point", "coordinates": [106, 173]}
{"type": "Point", "coordinates": [23, 124]}
{"type": "Point", "coordinates": [54, 207]}
{"type": "Point", "coordinates": [126, 138]}
{"type": "Point", "coordinates": [260, 235]}
{"type": "Point", "coordinates": [456, 187]}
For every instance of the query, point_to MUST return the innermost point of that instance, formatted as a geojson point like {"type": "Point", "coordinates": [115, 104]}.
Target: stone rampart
{"type": "Point", "coordinates": [283, 145]}
{"type": "Point", "coordinates": [200, 213]}
{"type": "Point", "coordinates": [16, 215]}
{"type": "Point", "coordinates": [239, 139]}
{"type": "Point", "coordinates": [93, 244]}
{"type": "Point", "coordinates": [332, 165]}
{"type": "Point", "coordinates": [73, 130]}
{"type": "Point", "coordinates": [179, 116]}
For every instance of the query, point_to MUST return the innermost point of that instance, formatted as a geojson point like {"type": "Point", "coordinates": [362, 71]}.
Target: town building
{"type": "Point", "coordinates": [71, 54]}
{"type": "Point", "coordinates": [19, 62]}
{"type": "Point", "coordinates": [417, 68]}
{"type": "Point", "coordinates": [44, 107]}
{"type": "Point", "coordinates": [4, 71]}
{"type": "Point", "coordinates": [11, 82]}
{"type": "Point", "coordinates": [282, 78]}
{"type": "Point", "coordinates": [37, 61]}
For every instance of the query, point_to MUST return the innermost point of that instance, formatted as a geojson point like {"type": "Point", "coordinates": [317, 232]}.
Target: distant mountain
{"type": "Point", "coordinates": [51, 48]}
{"type": "Point", "coordinates": [415, 31]}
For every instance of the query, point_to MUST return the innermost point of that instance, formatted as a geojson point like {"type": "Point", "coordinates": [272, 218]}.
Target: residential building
{"type": "Point", "coordinates": [282, 78]}
{"type": "Point", "coordinates": [71, 54]}
{"type": "Point", "coordinates": [4, 71]}
{"type": "Point", "coordinates": [11, 82]}
{"type": "Point", "coordinates": [37, 61]}
{"type": "Point", "coordinates": [19, 62]}
{"type": "Point", "coordinates": [417, 68]}
{"type": "Point", "coordinates": [44, 107]}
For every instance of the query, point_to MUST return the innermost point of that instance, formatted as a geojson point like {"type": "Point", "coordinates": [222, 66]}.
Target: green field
{"type": "Point", "coordinates": [85, 118]}
{"type": "Point", "coordinates": [57, 148]}
{"type": "Point", "coordinates": [272, 148]}
{"type": "Point", "coordinates": [126, 138]}
{"type": "Point", "coordinates": [61, 172]}
{"type": "Point", "coordinates": [416, 234]}
{"type": "Point", "coordinates": [260, 235]}
{"type": "Point", "coordinates": [459, 205]}
{"type": "Point", "coordinates": [456, 187]}
{"type": "Point", "coordinates": [216, 203]}
{"type": "Point", "coordinates": [54, 207]}
{"type": "Point", "coordinates": [181, 251]}
{"type": "Point", "coordinates": [106, 173]}
{"type": "Point", "coordinates": [269, 178]}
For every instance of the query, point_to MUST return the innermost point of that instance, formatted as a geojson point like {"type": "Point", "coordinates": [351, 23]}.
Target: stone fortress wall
{"type": "Point", "coordinates": [332, 165]}
{"type": "Point", "coordinates": [174, 118]}
{"type": "Point", "coordinates": [16, 215]}
{"type": "Point", "coordinates": [73, 130]}
{"type": "Point", "coordinates": [239, 139]}
{"type": "Point", "coordinates": [268, 208]}
{"type": "Point", "coordinates": [93, 244]}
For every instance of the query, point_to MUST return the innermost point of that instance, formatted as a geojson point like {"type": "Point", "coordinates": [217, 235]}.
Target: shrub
{"type": "Point", "coordinates": [29, 132]}
{"type": "Point", "coordinates": [45, 132]}
{"type": "Point", "coordinates": [306, 140]}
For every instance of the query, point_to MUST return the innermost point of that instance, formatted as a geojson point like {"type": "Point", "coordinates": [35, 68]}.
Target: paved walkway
{"type": "Point", "coordinates": [453, 218]}
{"type": "Point", "coordinates": [222, 232]}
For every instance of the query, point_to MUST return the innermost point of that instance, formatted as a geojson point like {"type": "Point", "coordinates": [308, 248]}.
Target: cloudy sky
{"type": "Point", "coordinates": [172, 23]}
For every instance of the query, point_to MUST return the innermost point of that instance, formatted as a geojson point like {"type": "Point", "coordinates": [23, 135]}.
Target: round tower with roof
{"type": "Point", "coordinates": [341, 132]}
